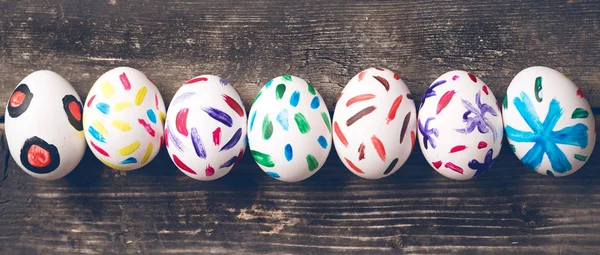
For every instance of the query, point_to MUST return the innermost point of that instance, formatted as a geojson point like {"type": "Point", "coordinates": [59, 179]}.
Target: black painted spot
{"type": "Point", "coordinates": [19, 101]}
{"type": "Point", "coordinates": [38, 156]}
{"type": "Point", "coordinates": [74, 111]}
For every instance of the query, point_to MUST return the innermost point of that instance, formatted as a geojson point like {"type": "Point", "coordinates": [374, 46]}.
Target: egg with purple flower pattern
{"type": "Point", "coordinates": [460, 126]}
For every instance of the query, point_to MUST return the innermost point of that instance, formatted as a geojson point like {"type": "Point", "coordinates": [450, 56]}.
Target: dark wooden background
{"type": "Point", "coordinates": [157, 209]}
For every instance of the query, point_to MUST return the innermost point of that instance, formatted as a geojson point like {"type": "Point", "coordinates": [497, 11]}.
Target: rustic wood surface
{"type": "Point", "coordinates": [510, 210]}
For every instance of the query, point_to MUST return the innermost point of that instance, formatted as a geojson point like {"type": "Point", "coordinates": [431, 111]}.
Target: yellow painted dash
{"type": "Point", "coordinates": [121, 125]}
{"type": "Point", "coordinates": [131, 148]}
{"type": "Point", "coordinates": [98, 126]}
{"type": "Point", "coordinates": [147, 154]}
{"type": "Point", "coordinates": [107, 90]}
{"type": "Point", "coordinates": [122, 106]}
{"type": "Point", "coordinates": [162, 117]}
{"type": "Point", "coordinates": [139, 97]}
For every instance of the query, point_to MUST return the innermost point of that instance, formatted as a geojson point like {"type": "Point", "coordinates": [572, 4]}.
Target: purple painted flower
{"type": "Point", "coordinates": [430, 92]}
{"type": "Point", "coordinates": [428, 133]}
{"type": "Point", "coordinates": [475, 117]}
{"type": "Point", "coordinates": [483, 166]}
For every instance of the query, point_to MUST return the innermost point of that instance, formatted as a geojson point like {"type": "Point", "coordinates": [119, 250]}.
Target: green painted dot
{"type": "Point", "coordinates": [262, 158]}
{"type": "Point", "coordinates": [287, 77]}
{"type": "Point", "coordinates": [311, 89]}
{"type": "Point", "coordinates": [580, 113]}
{"type": "Point", "coordinates": [301, 122]}
{"type": "Point", "coordinates": [538, 88]}
{"type": "Point", "coordinates": [267, 128]}
{"type": "Point", "coordinates": [325, 117]}
{"type": "Point", "coordinates": [279, 91]}
{"type": "Point", "coordinates": [312, 162]}
{"type": "Point", "coordinates": [580, 157]}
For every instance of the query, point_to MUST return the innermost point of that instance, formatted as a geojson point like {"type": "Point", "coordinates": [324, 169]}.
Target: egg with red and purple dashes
{"type": "Point", "coordinates": [205, 130]}
{"type": "Point", "coordinates": [460, 126]}
{"type": "Point", "coordinates": [374, 124]}
{"type": "Point", "coordinates": [43, 126]}
{"type": "Point", "coordinates": [123, 119]}
{"type": "Point", "coordinates": [289, 130]}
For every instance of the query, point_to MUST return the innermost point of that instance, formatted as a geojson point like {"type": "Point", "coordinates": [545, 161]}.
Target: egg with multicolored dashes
{"type": "Point", "coordinates": [43, 126]}
{"type": "Point", "coordinates": [460, 126]}
{"type": "Point", "coordinates": [205, 130]}
{"type": "Point", "coordinates": [548, 122]}
{"type": "Point", "coordinates": [123, 119]}
{"type": "Point", "coordinates": [289, 130]}
{"type": "Point", "coordinates": [374, 124]}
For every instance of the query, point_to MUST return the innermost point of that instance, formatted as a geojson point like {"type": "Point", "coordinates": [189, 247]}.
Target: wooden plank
{"type": "Point", "coordinates": [416, 211]}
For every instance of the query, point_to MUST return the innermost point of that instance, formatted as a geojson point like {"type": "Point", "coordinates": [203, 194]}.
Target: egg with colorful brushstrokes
{"type": "Point", "coordinates": [549, 123]}
{"type": "Point", "coordinates": [205, 130]}
{"type": "Point", "coordinates": [460, 126]}
{"type": "Point", "coordinates": [289, 131]}
{"type": "Point", "coordinates": [123, 119]}
{"type": "Point", "coordinates": [43, 126]}
{"type": "Point", "coordinates": [374, 124]}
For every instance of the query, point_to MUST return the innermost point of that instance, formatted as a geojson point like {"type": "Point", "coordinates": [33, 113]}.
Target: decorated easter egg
{"type": "Point", "coordinates": [549, 123]}
{"type": "Point", "coordinates": [43, 126]}
{"type": "Point", "coordinates": [289, 131]}
{"type": "Point", "coordinates": [205, 130]}
{"type": "Point", "coordinates": [123, 119]}
{"type": "Point", "coordinates": [460, 126]}
{"type": "Point", "coordinates": [374, 124]}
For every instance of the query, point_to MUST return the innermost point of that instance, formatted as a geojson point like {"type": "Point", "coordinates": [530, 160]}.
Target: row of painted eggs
{"type": "Point", "coordinates": [375, 126]}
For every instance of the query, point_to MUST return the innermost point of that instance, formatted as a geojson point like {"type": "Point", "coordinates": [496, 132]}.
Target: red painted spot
{"type": "Point", "coordinates": [437, 164]}
{"type": "Point", "coordinates": [162, 138]}
{"type": "Point", "coordinates": [210, 171]}
{"type": "Point", "coordinates": [361, 75]}
{"type": "Point", "coordinates": [361, 152]}
{"type": "Point", "coordinates": [339, 134]}
{"type": "Point", "coordinates": [580, 94]}
{"type": "Point", "coordinates": [38, 156]}
{"type": "Point", "coordinates": [167, 137]}
{"type": "Point", "coordinates": [125, 81]}
{"type": "Point", "coordinates": [396, 76]}
{"type": "Point", "coordinates": [198, 79]}
{"type": "Point", "coordinates": [378, 145]}
{"type": "Point", "coordinates": [412, 138]}
{"type": "Point", "coordinates": [182, 166]}
{"type": "Point", "coordinates": [217, 136]}
{"type": "Point", "coordinates": [444, 101]}
{"type": "Point", "coordinates": [482, 145]}
{"type": "Point", "coordinates": [454, 167]}
{"type": "Point", "coordinates": [392, 113]}
{"type": "Point", "coordinates": [338, 99]}
{"type": "Point", "coordinates": [353, 166]}
{"type": "Point", "coordinates": [156, 101]}
{"type": "Point", "coordinates": [457, 148]}
{"type": "Point", "coordinates": [455, 77]}
{"type": "Point", "coordinates": [239, 157]}
{"type": "Point", "coordinates": [181, 121]}
{"type": "Point", "coordinates": [147, 126]}
{"type": "Point", "coordinates": [99, 150]}
{"type": "Point", "coordinates": [17, 98]}
{"type": "Point", "coordinates": [359, 98]}
{"type": "Point", "coordinates": [91, 100]}
{"type": "Point", "coordinates": [233, 105]}
{"type": "Point", "coordinates": [75, 110]}
{"type": "Point", "coordinates": [485, 89]}
{"type": "Point", "coordinates": [473, 78]}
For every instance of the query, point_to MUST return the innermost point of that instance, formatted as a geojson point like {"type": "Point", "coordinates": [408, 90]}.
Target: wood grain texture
{"type": "Point", "coordinates": [94, 210]}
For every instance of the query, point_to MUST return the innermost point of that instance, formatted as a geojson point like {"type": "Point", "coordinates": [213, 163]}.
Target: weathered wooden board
{"type": "Point", "coordinates": [510, 210]}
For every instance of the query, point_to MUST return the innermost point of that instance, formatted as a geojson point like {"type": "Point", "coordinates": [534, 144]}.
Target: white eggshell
{"type": "Point", "coordinates": [289, 132]}
{"type": "Point", "coordinates": [43, 126]}
{"type": "Point", "coordinates": [549, 123]}
{"type": "Point", "coordinates": [206, 128]}
{"type": "Point", "coordinates": [123, 119]}
{"type": "Point", "coordinates": [460, 126]}
{"type": "Point", "coordinates": [374, 124]}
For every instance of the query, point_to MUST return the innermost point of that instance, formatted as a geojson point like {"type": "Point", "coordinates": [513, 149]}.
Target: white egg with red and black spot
{"type": "Point", "coordinates": [205, 130]}
{"type": "Point", "coordinates": [460, 126]}
{"type": "Point", "coordinates": [289, 129]}
{"type": "Point", "coordinates": [548, 122]}
{"type": "Point", "coordinates": [43, 126]}
{"type": "Point", "coordinates": [123, 119]}
{"type": "Point", "coordinates": [374, 124]}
